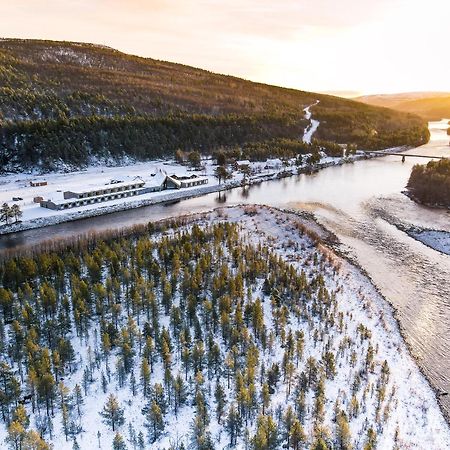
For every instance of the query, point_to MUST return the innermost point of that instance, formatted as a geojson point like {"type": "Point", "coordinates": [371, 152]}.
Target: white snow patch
{"type": "Point", "coordinates": [312, 127]}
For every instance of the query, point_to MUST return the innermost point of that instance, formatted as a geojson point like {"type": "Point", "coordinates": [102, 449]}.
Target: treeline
{"type": "Point", "coordinates": [192, 322]}
{"type": "Point", "coordinates": [44, 143]}
{"type": "Point", "coordinates": [370, 129]}
{"type": "Point", "coordinates": [283, 148]}
{"type": "Point", "coordinates": [431, 183]}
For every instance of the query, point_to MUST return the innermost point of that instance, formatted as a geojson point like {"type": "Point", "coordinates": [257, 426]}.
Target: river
{"type": "Point", "coordinates": [360, 203]}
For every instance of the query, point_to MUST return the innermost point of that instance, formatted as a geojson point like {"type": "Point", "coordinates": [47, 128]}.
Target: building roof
{"type": "Point", "coordinates": [109, 186]}
{"type": "Point", "coordinates": [274, 161]}
{"type": "Point", "coordinates": [158, 178]}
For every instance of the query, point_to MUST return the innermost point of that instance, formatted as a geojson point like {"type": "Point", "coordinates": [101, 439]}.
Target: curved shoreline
{"type": "Point", "coordinates": [414, 198]}
{"type": "Point", "coordinates": [333, 243]}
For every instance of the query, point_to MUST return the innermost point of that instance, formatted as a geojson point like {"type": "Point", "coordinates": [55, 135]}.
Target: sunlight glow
{"type": "Point", "coordinates": [366, 46]}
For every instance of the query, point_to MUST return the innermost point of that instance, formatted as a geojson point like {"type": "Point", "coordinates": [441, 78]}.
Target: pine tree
{"type": "Point", "coordinates": [371, 440]}
{"type": "Point", "coordinates": [78, 398]}
{"type": "Point", "coordinates": [112, 413]}
{"type": "Point", "coordinates": [265, 397]}
{"type": "Point", "coordinates": [145, 376]}
{"type": "Point", "coordinates": [15, 212]}
{"type": "Point", "coordinates": [179, 393]}
{"type": "Point", "coordinates": [299, 346]}
{"type": "Point", "coordinates": [343, 435]}
{"type": "Point", "coordinates": [288, 421]}
{"type": "Point", "coordinates": [16, 435]}
{"type": "Point", "coordinates": [266, 435]}
{"type": "Point", "coordinates": [297, 435]}
{"type": "Point", "coordinates": [132, 435]}
{"type": "Point", "coordinates": [9, 390]}
{"type": "Point", "coordinates": [155, 421]}
{"type": "Point", "coordinates": [118, 442]}
{"type": "Point", "coordinates": [46, 390]}
{"type": "Point", "coordinates": [330, 365]}
{"type": "Point", "coordinates": [200, 437]}
{"type": "Point", "coordinates": [65, 420]}
{"type": "Point", "coordinates": [20, 415]}
{"type": "Point", "coordinates": [220, 397]}
{"type": "Point", "coordinates": [5, 213]}
{"type": "Point", "coordinates": [319, 444]}
{"type": "Point", "coordinates": [233, 425]}
{"type": "Point", "coordinates": [141, 441]}
{"type": "Point", "coordinates": [33, 441]}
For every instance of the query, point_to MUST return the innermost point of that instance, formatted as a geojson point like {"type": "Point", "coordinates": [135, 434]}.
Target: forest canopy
{"type": "Point", "coordinates": [65, 104]}
{"type": "Point", "coordinates": [431, 183]}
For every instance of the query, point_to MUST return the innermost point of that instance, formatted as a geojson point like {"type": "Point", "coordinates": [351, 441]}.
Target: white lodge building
{"type": "Point", "coordinates": [159, 182]}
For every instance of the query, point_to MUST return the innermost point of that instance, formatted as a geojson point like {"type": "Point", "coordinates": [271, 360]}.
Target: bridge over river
{"type": "Point", "coordinates": [403, 155]}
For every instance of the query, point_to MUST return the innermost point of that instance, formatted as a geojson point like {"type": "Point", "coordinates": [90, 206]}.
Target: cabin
{"type": "Point", "coordinates": [38, 183]}
{"type": "Point", "coordinates": [274, 163]}
{"type": "Point", "coordinates": [38, 199]}
{"type": "Point", "coordinates": [241, 165]}
{"type": "Point", "coordinates": [178, 182]}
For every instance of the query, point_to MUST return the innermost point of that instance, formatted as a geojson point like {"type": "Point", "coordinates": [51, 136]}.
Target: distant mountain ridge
{"type": "Point", "coordinates": [429, 105]}
{"type": "Point", "coordinates": [65, 102]}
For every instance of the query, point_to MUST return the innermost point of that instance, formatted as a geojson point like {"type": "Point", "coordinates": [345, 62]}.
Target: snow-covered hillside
{"type": "Point", "coordinates": [235, 327]}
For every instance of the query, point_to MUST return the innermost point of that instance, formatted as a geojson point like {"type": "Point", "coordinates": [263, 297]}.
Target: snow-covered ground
{"type": "Point", "coordinates": [439, 240]}
{"type": "Point", "coordinates": [17, 185]}
{"type": "Point", "coordinates": [34, 216]}
{"type": "Point", "coordinates": [412, 418]}
{"type": "Point", "coordinates": [312, 127]}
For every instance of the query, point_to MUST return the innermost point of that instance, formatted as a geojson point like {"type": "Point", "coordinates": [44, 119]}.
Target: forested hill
{"type": "Point", "coordinates": [63, 102]}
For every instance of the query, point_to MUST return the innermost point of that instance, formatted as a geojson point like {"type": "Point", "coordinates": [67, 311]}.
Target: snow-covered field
{"type": "Point", "coordinates": [411, 418]}
{"type": "Point", "coordinates": [18, 185]}
{"type": "Point", "coordinates": [34, 216]}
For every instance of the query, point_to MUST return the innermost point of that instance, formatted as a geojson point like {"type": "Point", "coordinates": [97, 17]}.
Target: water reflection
{"type": "Point", "coordinates": [221, 197]}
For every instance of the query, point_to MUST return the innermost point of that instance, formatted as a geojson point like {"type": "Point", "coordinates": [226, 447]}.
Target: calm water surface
{"type": "Point", "coordinates": [360, 203]}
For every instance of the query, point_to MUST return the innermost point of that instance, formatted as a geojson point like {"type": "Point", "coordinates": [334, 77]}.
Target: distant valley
{"type": "Point", "coordinates": [429, 105]}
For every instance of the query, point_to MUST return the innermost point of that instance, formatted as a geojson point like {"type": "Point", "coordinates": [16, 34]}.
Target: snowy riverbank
{"type": "Point", "coordinates": [34, 216]}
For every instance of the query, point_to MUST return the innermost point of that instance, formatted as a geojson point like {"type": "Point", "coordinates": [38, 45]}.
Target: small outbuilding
{"type": "Point", "coordinates": [178, 182]}
{"type": "Point", "coordinates": [38, 183]}
{"type": "Point", "coordinates": [242, 164]}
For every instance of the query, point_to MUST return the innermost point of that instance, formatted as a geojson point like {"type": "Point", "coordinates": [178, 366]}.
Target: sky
{"type": "Point", "coordinates": [339, 46]}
